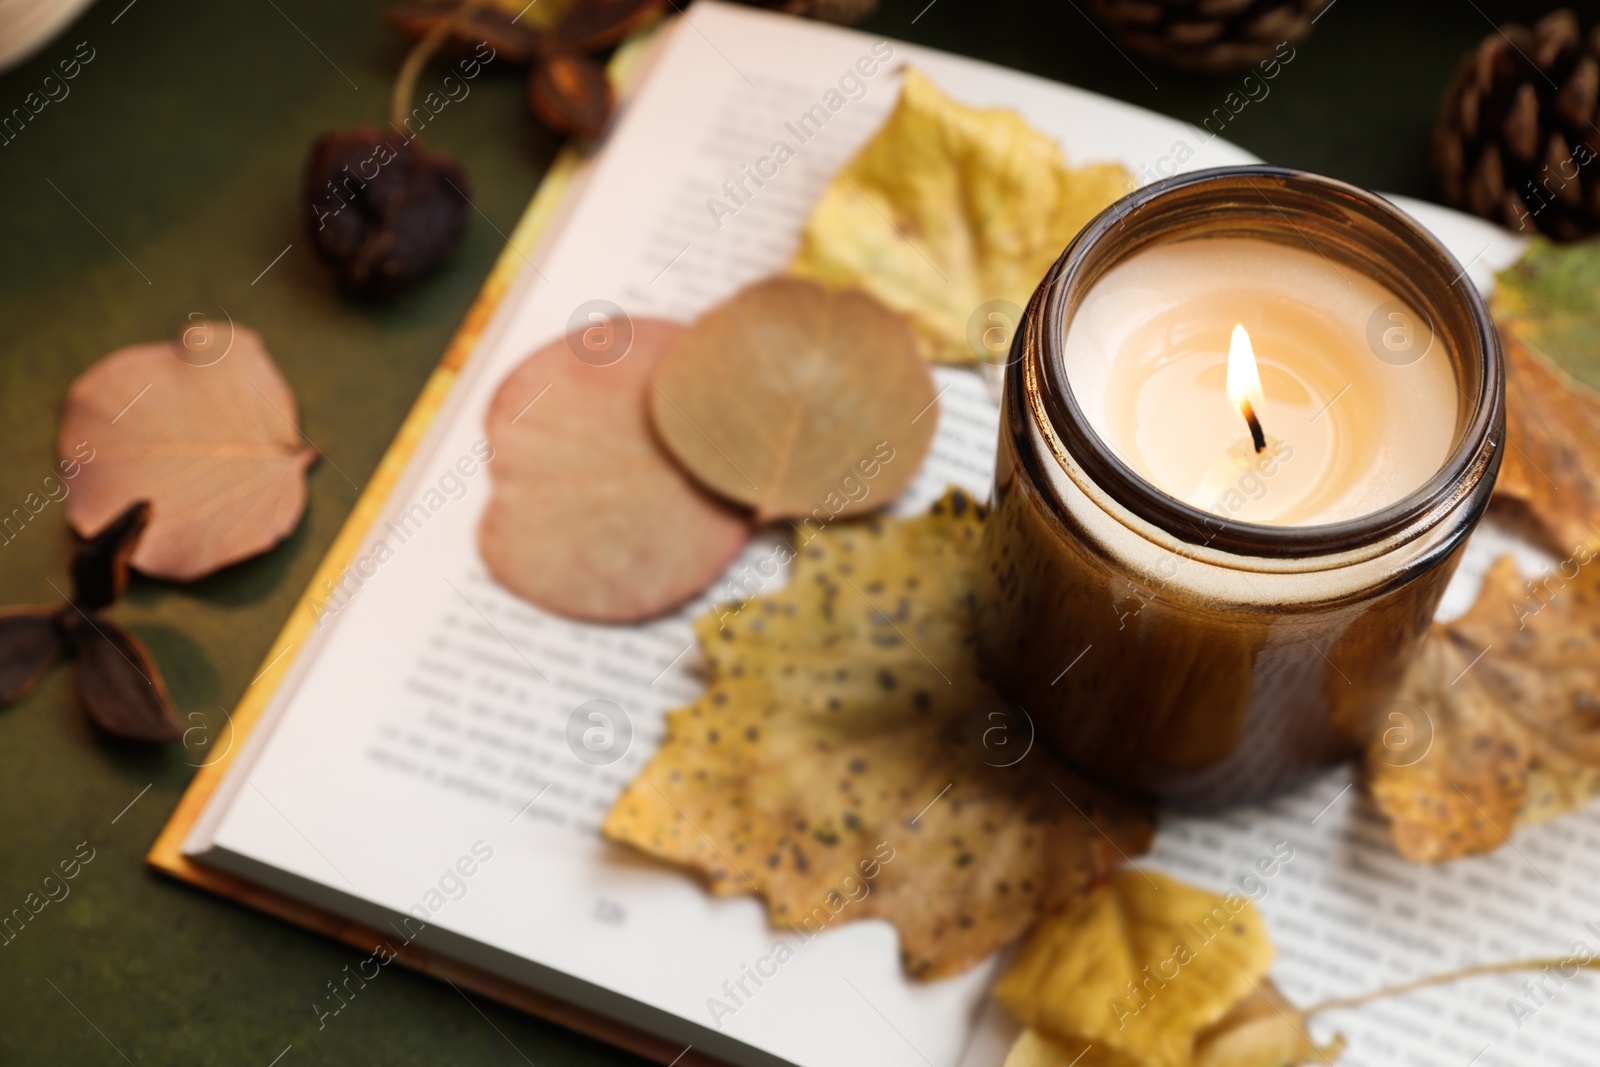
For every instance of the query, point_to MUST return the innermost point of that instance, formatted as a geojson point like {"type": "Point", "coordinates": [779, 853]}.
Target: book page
{"type": "Point", "coordinates": [446, 752]}
{"type": "Point", "coordinates": [439, 720]}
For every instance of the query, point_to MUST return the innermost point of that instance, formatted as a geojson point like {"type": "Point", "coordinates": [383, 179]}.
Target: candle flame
{"type": "Point", "coordinates": [1244, 382]}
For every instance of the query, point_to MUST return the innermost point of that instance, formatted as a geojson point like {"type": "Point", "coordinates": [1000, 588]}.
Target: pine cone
{"type": "Point", "coordinates": [1210, 36]}
{"type": "Point", "coordinates": [1517, 140]}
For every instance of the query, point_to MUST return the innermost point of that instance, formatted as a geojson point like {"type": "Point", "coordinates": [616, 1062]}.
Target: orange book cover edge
{"type": "Point", "coordinates": [166, 853]}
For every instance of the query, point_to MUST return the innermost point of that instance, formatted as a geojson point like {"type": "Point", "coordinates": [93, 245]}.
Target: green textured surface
{"type": "Point", "coordinates": [181, 144]}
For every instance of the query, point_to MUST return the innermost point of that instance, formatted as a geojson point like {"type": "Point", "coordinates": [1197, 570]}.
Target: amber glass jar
{"type": "Point", "coordinates": [1173, 653]}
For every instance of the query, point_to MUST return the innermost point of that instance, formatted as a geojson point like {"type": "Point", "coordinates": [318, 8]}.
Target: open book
{"type": "Point", "coordinates": [406, 775]}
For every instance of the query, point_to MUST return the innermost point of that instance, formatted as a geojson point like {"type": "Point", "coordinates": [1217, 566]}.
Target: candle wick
{"type": "Point", "coordinates": [1256, 434]}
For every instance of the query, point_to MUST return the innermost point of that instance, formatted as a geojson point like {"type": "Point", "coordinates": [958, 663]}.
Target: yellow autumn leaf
{"type": "Point", "coordinates": [1262, 1030]}
{"type": "Point", "coordinates": [947, 209]}
{"type": "Point", "coordinates": [833, 765]}
{"type": "Point", "coordinates": [1033, 1049]}
{"type": "Point", "coordinates": [1140, 969]}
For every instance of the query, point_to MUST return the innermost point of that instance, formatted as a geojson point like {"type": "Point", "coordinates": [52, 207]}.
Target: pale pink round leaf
{"type": "Point", "coordinates": [589, 517]}
{"type": "Point", "coordinates": [211, 441]}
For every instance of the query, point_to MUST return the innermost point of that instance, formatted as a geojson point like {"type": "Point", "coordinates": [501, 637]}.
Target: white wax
{"type": "Point", "coordinates": [1360, 401]}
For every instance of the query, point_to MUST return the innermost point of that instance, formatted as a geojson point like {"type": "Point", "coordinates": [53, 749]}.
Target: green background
{"type": "Point", "coordinates": [181, 146]}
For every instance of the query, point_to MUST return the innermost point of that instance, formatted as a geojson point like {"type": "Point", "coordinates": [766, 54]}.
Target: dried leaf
{"type": "Point", "coordinates": [832, 750]}
{"type": "Point", "coordinates": [949, 208]}
{"type": "Point", "coordinates": [1142, 968]}
{"type": "Point", "coordinates": [593, 25]}
{"type": "Point", "coordinates": [1547, 307]}
{"type": "Point", "coordinates": [1034, 1049]}
{"type": "Point", "coordinates": [1554, 793]}
{"type": "Point", "coordinates": [570, 92]}
{"type": "Point", "coordinates": [118, 683]}
{"type": "Point", "coordinates": [512, 31]}
{"type": "Point", "coordinates": [100, 565]}
{"type": "Point", "coordinates": [785, 394]}
{"type": "Point", "coordinates": [589, 518]}
{"type": "Point", "coordinates": [1505, 689]}
{"type": "Point", "coordinates": [212, 444]}
{"type": "Point", "coordinates": [1551, 298]}
{"type": "Point", "coordinates": [30, 641]}
{"type": "Point", "coordinates": [1263, 1030]}
{"type": "Point", "coordinates": [1462, 794]}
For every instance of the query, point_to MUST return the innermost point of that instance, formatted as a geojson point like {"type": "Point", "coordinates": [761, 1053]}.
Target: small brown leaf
{"type": "Point", "coordinates": [1459, 794]}
{"type": "Point", "coordinates": [100, 565]}
{"type": "Point", "coordinates": [1547, 308]}
{"type": "Point", "coordinates": [589, 518]}
{"type": "Point", "coordinates": [29, 642]}
{"type": "Point", "coordinates": [570, 92]}
{"type": "Point", "coordinates": [831, 765]}
{"type": "Point", "coordinates": [514, 39]}
{"type": "Point", "coordinates": [1503, 690]}
{"type": "Point", "coordinates": [593, 25]}
{"type": "Point", "coordinates": [1552, 462]}
{"type": "Point", "coordinates": [212, 443]}
{"type": "Point", "coordinates": [783, 394]}
{"type": "Point", "coordinates": [119, 684]}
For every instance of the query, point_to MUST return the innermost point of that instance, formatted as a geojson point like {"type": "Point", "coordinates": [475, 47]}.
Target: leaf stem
{"type": "Point", "coordinates": [405, 83]}
{"type": "Point", "coordinates": [1449, 976]}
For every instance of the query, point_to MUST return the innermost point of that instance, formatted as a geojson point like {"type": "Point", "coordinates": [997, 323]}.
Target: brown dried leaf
{"type": "Point", "coordinates": [779, 396]}
{"type": "Point", "coordinates": [570, 92]}
{"type": "Point", "coordinates": [1552, 465]}
{"type": "Point", "coordinates": [212, 444]}
{"type": "Point", "coordinates": [1542, 663]}
{"type": "Point", "coordinates": [512, 31]}
{"type": "Point", "coordinates": [118, 683]}
{"type": "Point", "coordinates": [593, 25]}
{"type": "Point", "coordinates": [30, 640]}
{"type": "Point", "coordinates": [589, 517]}
{"type": "Point", "coordinates": [1508, 687]}
{"type": "Point", "coordinates": [831, 765]}
{"type": "Point", "coordinates": [100, 565]}
{"type": "Point", "coordinates": [1547, 307]}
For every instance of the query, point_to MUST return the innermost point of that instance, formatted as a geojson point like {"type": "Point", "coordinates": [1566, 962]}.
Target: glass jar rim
{"type": "Point", "coordinates": [1209, 201]}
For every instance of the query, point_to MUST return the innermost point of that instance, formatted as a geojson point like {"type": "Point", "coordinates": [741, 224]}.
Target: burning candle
{"type": "Point", "coordinates": [1250, 419]}
{"type": "Point", "coordinates": [1236, 375]}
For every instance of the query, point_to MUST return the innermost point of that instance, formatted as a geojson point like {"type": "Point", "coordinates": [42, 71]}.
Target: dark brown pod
{"type": "Point", "coordinates": [30, 640]}
{"type": "Point", "coordinates": [100, 566]}
{"type": "Point", "coordinates": [570, 92]}
{"type": "Point", "coordinates": [512, 40]}
{"type": "Point", "coordinates": [594, 25]}
{"type": "Point", "coordinates": [381, 210]}
{"type": "Point", "coordinates": [119, 684]}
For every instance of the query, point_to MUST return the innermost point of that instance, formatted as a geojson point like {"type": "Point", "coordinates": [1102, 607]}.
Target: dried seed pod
{"type": "Point", "coordinates": [381, 210]}
{"type": "Point", "coordinates": [30, 640]}
{"type": "Point", "coordinates": [100, 566]}
{"type": "Point", "coordinates": [118, 682]}
{"type": "Point", "coordinates": [570, 92]}
{"type": "Point", "coordinates": [594, 25]}
{"type": "Point", "coordinates": [511, 38]}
